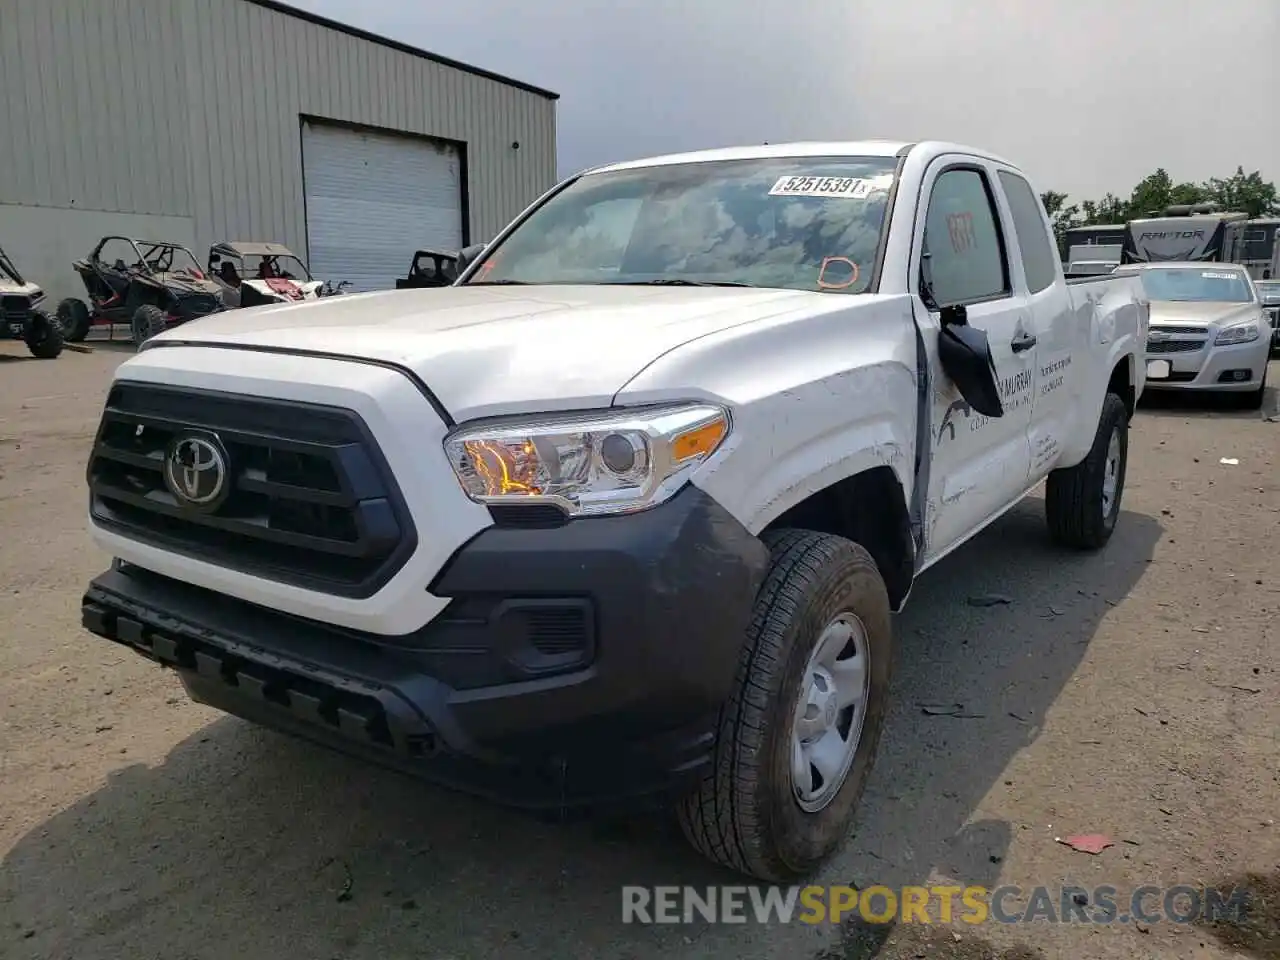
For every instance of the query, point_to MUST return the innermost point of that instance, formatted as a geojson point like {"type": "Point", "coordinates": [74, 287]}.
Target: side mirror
{"type": "Point", "coordinates": [966, 358]}
{"type": "Point", "coordinates": [468, 255]}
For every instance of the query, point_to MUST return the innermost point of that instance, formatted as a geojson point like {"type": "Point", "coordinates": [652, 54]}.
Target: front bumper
{"type": "Point", "coordinates": [623, 701]}
{"type": "Point", "coordinates": [1205, 369]}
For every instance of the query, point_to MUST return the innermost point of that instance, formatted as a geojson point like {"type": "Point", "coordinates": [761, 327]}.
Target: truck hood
{"type": "Point", "coordinates": [491, 350]}
{"type": "Point", "coordinates": [1179, 313]}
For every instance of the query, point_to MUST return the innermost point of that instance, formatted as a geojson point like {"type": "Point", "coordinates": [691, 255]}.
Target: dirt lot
{"type": "Point", "coordinates": [1135, 693]}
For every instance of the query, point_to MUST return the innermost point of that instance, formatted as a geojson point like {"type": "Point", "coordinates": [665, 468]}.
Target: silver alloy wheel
{"type": "Point", "coordinates": [830, 713]}
{"type": "Point", "coordinates": [1111, 474]}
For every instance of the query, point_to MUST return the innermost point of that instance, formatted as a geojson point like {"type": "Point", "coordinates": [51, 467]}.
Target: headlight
{"type": "Point", "coordinates": [1240, 333]}
{"type": "Point", "coordinates": [611, 461]}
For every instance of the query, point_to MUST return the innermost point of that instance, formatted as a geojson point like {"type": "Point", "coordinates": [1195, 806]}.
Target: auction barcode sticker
{"type": "Point", "coordinates": [845, 188]}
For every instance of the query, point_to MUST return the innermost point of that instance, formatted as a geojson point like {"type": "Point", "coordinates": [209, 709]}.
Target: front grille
{"type": "Point", "coordinates": [1173, 346]}
{"type": "Point", "coordinates": [1182, 331]}
{"type": "Point", "coordinates": [310, 500]}
{"type": "Point", "coordinates": [15, 308]}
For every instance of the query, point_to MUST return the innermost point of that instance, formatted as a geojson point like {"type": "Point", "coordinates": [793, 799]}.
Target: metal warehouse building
{"type": "Point", "coordinates": [206, 120]}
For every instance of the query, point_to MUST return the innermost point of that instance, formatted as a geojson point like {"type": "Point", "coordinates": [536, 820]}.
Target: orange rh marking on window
{"type": "Point", "coordinates": [826, 262]}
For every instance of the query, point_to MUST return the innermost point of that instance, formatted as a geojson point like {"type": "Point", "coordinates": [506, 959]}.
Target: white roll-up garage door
{"type": "Point", "coordinates": [373, 199]}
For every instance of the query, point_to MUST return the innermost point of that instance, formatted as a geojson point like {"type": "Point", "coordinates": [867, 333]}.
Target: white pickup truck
{"type": "Point", "coordinates": [625, 511]}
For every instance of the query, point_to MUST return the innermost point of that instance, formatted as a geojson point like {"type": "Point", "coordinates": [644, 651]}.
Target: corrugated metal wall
{"type": "Point", "coordinates": [190, 109]}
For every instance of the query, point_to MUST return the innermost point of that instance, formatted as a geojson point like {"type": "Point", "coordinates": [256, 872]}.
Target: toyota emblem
{"type": "Point", "coordinates": [195, 471]}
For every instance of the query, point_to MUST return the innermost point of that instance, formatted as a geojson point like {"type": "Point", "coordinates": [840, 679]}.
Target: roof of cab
{"type": "Point", "coordinates": [834, 148]}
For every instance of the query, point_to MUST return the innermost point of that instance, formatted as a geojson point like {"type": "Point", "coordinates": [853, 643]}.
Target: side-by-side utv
{"type": "Point", "coordinates": [254, 272]}
{"type": "Point", "coordinates": [24, 315]}
{"type": "Point", "coordinates": [149, 284]}
{"type": "Point", "coordinates": [430, 268]}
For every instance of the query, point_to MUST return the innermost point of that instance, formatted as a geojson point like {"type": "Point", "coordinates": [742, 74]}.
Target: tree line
{"type": "Point", "coordinates": [1245, 192]}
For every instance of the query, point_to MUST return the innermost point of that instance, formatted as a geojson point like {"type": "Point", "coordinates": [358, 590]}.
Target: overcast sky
{"type": "Point", "coordinates": [1086, 95]}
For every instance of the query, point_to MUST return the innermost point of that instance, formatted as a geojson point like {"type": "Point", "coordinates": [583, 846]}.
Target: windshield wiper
{"type": "Point", "coordinates": [496, 283]}
{"type": "Point", "coordinates": [677, 282]}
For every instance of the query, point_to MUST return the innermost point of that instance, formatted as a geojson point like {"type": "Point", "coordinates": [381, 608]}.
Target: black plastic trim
{"type": "Point", "coordinates": [666, 596]}
{"type": "Point", "coordinates": [304, 418]}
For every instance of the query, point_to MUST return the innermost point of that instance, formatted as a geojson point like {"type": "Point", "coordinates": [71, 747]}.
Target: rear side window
{"type": "Point", "coordinates": [1028, 225]}
{"type": "Point", "coordinates": [965, 258]}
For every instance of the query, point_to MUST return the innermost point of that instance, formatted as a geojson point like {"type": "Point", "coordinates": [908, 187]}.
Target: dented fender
{"type": "Point", "coordinates": [815, 396]}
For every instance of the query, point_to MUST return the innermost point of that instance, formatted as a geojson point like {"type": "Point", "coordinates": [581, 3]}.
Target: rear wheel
{"type": "Point", "coordinates": [1082, 503]}
{"type": "Point", "coordinates": [797, 739]}
{"type": "Point", "coordinates": [147, 322]}
{"type": "Point", "coordinates": [43, 334]}
{"type": "Point", "coordinates": [74, 317]}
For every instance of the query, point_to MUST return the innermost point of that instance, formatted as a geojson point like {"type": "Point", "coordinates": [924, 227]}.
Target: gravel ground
{"type": "Point", "coordinates": [1135, 693]}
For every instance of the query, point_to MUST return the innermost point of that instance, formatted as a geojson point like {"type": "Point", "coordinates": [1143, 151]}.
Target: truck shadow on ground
{"type": "Point", "coordinates": [247, 844]}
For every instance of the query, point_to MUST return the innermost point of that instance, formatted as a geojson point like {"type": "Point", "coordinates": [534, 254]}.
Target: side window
{"type": "Point", "coordinates": [1028, 224]}
{"type": "Point", "coordinates": [965, 251]}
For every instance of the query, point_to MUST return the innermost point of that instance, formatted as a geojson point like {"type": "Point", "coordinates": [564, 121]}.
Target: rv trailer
{"type": "Point", "coordinates": [1259, 246]}
{"type": "Point", "coordinates": [1098, 234]}
{"type": "Point", "coordinates": [1186, 232]}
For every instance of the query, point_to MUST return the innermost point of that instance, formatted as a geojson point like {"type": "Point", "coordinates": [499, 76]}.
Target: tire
{"type": "Point", "coordinates": [746, 814]}
{"type": "Point", "coordinates": [74, 316]}
{"type": "Point", "coordinates": [43, 334]}
{"type": "Point", "coordinates": [1076, 507]}
{"type": "Point", "coordinates": [147, 322]}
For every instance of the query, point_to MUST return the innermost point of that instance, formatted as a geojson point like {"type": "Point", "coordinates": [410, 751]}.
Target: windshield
{"type": "Point", "coordinates": [264, 268]}
{"type": "Point", "coordinates": [1183, 284]}
{"type": "Point", "coordinates": [808, 223]}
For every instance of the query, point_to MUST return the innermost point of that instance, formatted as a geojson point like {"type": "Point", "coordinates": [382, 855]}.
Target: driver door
{"type": "Point", "coordinates": [979, 464]}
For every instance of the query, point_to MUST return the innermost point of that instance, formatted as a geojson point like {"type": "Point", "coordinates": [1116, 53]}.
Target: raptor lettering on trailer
{"type": "Point", "coordinates": [1171, 235]}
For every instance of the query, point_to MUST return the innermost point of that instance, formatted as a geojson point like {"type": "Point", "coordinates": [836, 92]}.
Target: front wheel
{"type": "Point", "coordinates": [1082, 503]}
{"type": "Point", "coordinates": [147, 322]}
{"type": "Point", "coordinates": [74, 316]}
{"type": "Point", "coordinates": [43, 334]}
{"type": "Point", "coordinates": [798, 736]}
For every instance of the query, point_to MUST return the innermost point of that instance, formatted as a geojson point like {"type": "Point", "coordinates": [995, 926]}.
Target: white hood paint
{"type": "Point", "coordinates": [485, 351]}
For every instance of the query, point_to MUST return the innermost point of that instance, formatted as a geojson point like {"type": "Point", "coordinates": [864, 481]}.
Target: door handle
{"type": "Point", "coordinates": [1024, 342]}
